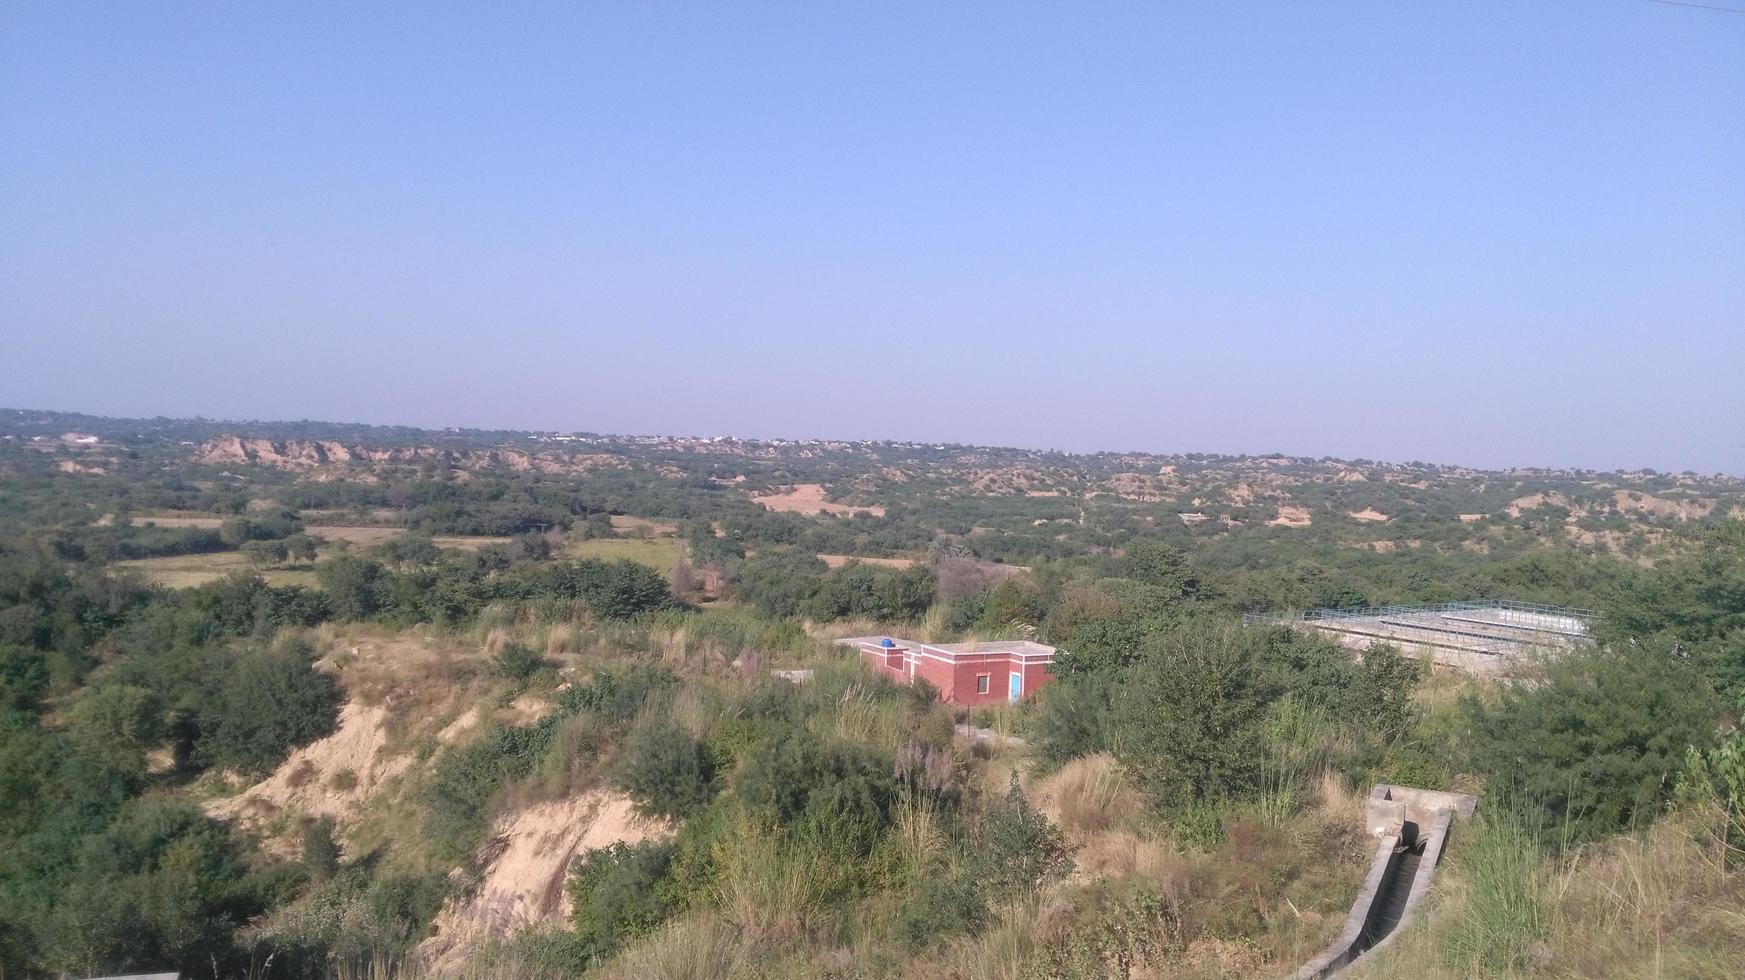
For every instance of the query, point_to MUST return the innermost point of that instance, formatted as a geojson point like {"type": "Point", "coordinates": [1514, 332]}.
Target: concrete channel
{"type": "Point", "coordinates": [1410, 828]}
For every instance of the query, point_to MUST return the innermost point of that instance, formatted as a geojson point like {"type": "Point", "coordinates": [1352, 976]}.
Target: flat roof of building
{"type": "Point", "coordinates": [1025, 647]}
{"type": "Point", "coordinates": [1029, 647]}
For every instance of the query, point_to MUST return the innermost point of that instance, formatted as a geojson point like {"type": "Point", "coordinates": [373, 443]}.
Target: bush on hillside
{"type": "Point", "coordinates": [666, 771]}
{"type": "Point", "coordinates": [1018, 848]}
{"type": "Point", "coordinates": [118, 723]}
{"type": "Point", "coordinates": [320, 849]}
{"type": "Point", "coordinates": [1190, 716]}
{"type": "Point", "coordinates": [615, 894]}
{"type": "Point", "coordinates": [837, 793]}
{"type": "Point", "coordinates": [1592, 747]}
{"type": "Point", "coordinates": [1075, 716]}
{"type": "Point", "coordinates": [270, 702]}
{"type": "Point", "coordinates": [517, 661]}
{"type": "Point", "coordinates": [618, 692]}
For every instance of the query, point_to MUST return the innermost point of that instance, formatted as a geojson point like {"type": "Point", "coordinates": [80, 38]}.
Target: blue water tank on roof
{"type": "Point", "coordinates": [887, 643]}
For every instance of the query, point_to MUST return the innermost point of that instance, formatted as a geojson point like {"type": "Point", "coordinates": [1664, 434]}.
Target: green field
{"type": "Point", "coordinates": [187, 571]}
{"type": "Point", "coordinates": [658, 553]}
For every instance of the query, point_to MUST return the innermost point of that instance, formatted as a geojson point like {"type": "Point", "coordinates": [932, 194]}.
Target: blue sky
{"type": "Point", "coordinates": [1490, 233]}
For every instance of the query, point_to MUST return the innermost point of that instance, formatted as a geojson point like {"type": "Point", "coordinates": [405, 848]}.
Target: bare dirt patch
{"type": "Point", "coordinates": [467, 542]}
{"type": "Point", "coordinates": [1291, 515]}
{"type": "Point", "coordinates": [523, 884]}
{"type": "Point", "coordinates": [1368, 514]}
{"type": "Point", "coordinates": [453, 731]}
{"type": "Point", "coordinates": [369, 536]}
{"type": "Point", "coordinates": [68, 466]}
{"type": "Point", "coordinates": [304, 455]}
{"type": "Point", "coordinates": [188, 571]}
{"type": "Point", "coordinates": [1533, 501]}
{"type": "Point", "coordinates": [1648, 505]}
{"type": "Point", "coordinates": [809, 498]}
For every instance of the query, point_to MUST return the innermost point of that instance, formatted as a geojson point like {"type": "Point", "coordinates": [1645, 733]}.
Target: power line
{"type": "Point", "coordinates": [1698, 6]}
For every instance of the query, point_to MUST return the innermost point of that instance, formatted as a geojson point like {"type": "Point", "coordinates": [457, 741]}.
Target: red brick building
{"type": "Point", "coordinates": [964, 673]}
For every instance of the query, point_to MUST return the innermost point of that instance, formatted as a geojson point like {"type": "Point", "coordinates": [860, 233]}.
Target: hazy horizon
{"type": "Point", "coordinates": [1492, 235]}
{"type": "Point", "coordinates": [242, 423]}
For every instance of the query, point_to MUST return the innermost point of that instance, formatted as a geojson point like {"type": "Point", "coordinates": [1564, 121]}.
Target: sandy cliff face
{"type": "Point", "coordinates": [288, 454]}
{"type": "Point", "coordinates": [309, 455]}
{"type": "Point", "coordinates": [522, 884]}
{"type": "Point", "coordinates": [330, 777]}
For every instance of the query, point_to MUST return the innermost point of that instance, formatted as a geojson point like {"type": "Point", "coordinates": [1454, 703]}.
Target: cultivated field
{"type": "Point", "coordinates": [625, 524]}
{"type": "Point", "coordinates": [837, 561]}
{"type": "Point", "coordinates": [187, 571]}
{"type": "Point", "coordinates": [658, 553]}
{"type": "Point", "coordinates": [177, 521]}
{"type": "Point", "coordinates": [365, 537]}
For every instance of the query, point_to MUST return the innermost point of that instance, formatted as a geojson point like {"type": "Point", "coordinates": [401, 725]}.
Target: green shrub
{"type": "Point", "coordinates": [1591, 748]}
{"type": "Point", "coordinates": [1018, 849]}
{"type": "Point", "coordinates": [1075, 715]}
{"type": "Point", "coordinates": [616, 895]}
{"type": "Point", "coordinates": [160, 884]}
{"type": "Point", "coordinates": [458, 799]}
{"type": "Point", "coordinates": [517, 661]}
{"type": "Point", "coordinates": [1191, 715]}
{"type": "Point", "coordinates": [320, 850]}
{"type": "Point", "coordinates": [117, 723]}
{"type": "Point", "coordinates": [616, 694]}
{"type": "Point", "coordinates": [693, 871]}
{"type": "Point", "coordinates": [838, 794]}
{"type": "Point", "coordinates": [1716, 778]}
{"type": "Point", "coordinates": [269, 702]}
{"type": "Point", "coordinates": [941, 905]}
{"type": "Point", "coordinates": [666, 771]}
{"type": "Point", "coordinates": [24, 678]}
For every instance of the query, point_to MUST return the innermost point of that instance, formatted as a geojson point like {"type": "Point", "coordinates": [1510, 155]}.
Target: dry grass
{"type": "Point", "coordinates": [858, 716]}
{"type": "Point", "coordinates": [693, 711]}
{"type": "Point", "coordinates": [361, 536]}
{"type": "Point", "coordinates": [1338, 802]}
{"type": "Point", "coordinates": [1088, 796]}
{"type": "Point", "coordinates": [919, 833]}
{"type": "Point", "coordinates": [1004, 951]}
{"type": "Point", "coordinates": [560, 640]}
{"type": "Point", "coordinates": [698, 947]}
{"type": "Point", "coordinates": [1661, 904]}
{"type": "Point", "coordinates": [625, 524]}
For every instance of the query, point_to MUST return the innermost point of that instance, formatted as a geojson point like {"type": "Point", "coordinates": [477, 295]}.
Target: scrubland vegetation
{"type": "Point", "coordinates": [334, 775]}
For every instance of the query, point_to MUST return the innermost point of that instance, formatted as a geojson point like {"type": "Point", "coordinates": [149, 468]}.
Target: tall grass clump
{"type": "Point", "coordinates": [698, 947]}
{"type": "Point", "coordinates": [774, 886]}
{"type": "Point", "coordinates": [861, 716]}
{"type": "Point", "coordinates": [1504, 913]}
{"type": "Point", "coordinates": [1090, 795]}
{"type": "Point", "coordinates": [1297, 744]}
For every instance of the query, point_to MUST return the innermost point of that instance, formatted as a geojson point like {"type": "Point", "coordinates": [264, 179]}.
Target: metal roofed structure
{"type": "Point", "coordinates": [1486, 636]}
